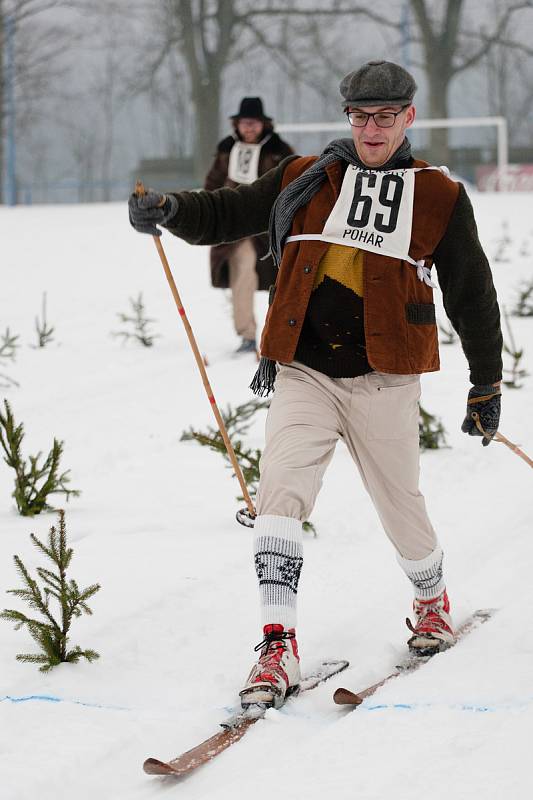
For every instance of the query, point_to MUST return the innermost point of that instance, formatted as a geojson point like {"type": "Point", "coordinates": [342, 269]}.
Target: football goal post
{"type": "Point", "coordinates": [499, 123]}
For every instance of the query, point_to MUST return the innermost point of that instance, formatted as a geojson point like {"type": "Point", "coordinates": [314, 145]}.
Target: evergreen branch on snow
{"type": "Point", "coordinates": [44, 331]}
{"type": "Point", "coordinates": [8, 350]}
{"type": "Point", "coordinates": [524, 249]}
{"type": "Point", "coordinates": [237, 422]}
{"type": "Point", "coordinates": [51, 632]}
{"type": "Point", "coordinates": [503, 243]}
{"type": "Point", "coordinates": [34, 482]}
{"type": "Point", "coordinates": [139, 322]}
{"type": "Point", "coordinates": [6, 381]}
{"type": "Point", "coordinates": [524, 301]}
{"type": "Point", "coordinates": [431, 432]}
{"type": "Point", "coordinates": [8, 346]}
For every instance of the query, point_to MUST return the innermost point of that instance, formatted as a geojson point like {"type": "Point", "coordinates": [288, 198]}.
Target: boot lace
{"type": "Point", "coordinates": [428, 617]}
{"type": "Point", "coordinates": [271, 638]}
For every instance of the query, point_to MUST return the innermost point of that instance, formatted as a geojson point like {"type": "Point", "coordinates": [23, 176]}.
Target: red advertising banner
{"type": "Point", "coordinates": [518, 178]}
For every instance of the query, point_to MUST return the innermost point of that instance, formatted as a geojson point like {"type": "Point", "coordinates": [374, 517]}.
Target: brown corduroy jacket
{"type": "Point", "coordinates": [400, 325]}
{"type": "Point", "coordinates": [272, 153]}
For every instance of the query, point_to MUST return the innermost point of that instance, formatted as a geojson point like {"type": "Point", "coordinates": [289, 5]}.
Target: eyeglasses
{"type": "Point", "coordinates": [383, 119]}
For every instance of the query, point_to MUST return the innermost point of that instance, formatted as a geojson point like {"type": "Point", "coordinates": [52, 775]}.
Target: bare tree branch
{"type": "Point", "coordinates": [21, 10]}
{"type": "Point", "coordinates": [495, 37]}
{"type": "Point", "coordinates": [323, 12]}
{"type": "Point", "coordinates": [519, 46]}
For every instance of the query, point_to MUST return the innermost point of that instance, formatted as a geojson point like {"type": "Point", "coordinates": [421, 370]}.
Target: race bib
{"type": "Point", "coordinates": [244, 162]}
{"type": "Point", "coordinates": [374, 211]}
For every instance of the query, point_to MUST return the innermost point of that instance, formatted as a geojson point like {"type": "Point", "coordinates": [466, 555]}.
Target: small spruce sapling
{"type": "Point", "coordinates": [503, 243]}
{"type": "Point", "coordinates": [237, 423]}
{"type": "Point", "coordinates": [524, 249]}
{"type": "Point", "coordinates": [8, 346]}
{"type": "Point", "coordinates": [34, 482]}
{"type": "Point", "coordinates": [524, 301]}
{"type": "Point", "coordinates": [51, 634]}
{"type": "Point", "coordinates": [431, 432]}
{"type": "Point", "coordinates": [139, 322]}
{"type": "Point", "coordinates": [44, 332]}
{"type": "Point", "coordinates": [8, 351]}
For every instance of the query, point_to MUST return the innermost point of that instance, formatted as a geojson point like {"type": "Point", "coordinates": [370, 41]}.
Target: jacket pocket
{"type": "Point", "coordinates": [271, 293]}
{"type": "Point", "coordinates": [420, 313]}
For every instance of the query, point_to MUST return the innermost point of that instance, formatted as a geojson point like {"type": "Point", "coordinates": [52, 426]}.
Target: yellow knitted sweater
{"type": "Point", "coordinates": [332, 338]}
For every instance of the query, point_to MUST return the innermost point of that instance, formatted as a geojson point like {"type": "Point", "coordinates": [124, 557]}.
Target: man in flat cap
{"type": "Point", "coordinates": [245, 266]}
{"type": "Point", "coordinates": [350, 328]}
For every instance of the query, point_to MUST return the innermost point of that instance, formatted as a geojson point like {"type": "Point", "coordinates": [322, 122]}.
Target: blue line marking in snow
{"type": "Point", "coordinates": [47, 698]}
{"type": "Point", "coordinates": [517, 706]}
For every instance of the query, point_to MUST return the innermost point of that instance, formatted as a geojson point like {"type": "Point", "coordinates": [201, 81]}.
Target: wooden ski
{"type": "Point", "coordinates": [233, 729]}
{"type": "Point", "coordinates": [346, 697]}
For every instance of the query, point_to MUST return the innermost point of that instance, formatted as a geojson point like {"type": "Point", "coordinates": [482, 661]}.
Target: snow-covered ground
{"type": "Point", "coordinates": [177, 615]}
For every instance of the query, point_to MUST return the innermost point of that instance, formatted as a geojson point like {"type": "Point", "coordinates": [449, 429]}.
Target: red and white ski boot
{"type": "Point", "coordinates": [277, 673]}
{"type": "Point", "coordinates": [433, 630]}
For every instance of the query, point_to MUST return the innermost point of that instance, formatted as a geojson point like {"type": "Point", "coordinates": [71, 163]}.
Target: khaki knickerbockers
{"type": "Point", "coordinates": [243, 281]}
{"type": "Point", "coordinates": [377, 417]}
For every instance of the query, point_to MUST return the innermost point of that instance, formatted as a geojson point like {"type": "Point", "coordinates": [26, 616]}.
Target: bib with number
{"type": "Point", "coordinates": [374, 211]}
{"type": "Point", "coordinates": [244, 162]}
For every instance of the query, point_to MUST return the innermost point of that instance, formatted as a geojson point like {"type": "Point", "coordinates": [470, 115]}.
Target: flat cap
{"type": "Point", "coordinates": [378, 83]}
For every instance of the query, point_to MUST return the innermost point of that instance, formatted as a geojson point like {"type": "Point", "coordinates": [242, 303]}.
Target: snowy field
{"type": "Point", "coordinates": [177, 617]}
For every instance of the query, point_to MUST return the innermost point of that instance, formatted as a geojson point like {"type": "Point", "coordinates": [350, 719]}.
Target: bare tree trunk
{"type": "Point", "coordinates": [439, 49]}
{"type": "Point", "coordinates": [207, 101]}
{"type": "Point", "coordinates": [206, 38]}
{"type": "Point", "coordinates": [443, 57]}
{"type": "Point", "coordinates": [497, 62]}
{"type": "Point", "coordinates": [438, 109]}
{"type": "Point", "coordinates": [29, 75]}
{"type": "Point", "coordinates": [108, 108]}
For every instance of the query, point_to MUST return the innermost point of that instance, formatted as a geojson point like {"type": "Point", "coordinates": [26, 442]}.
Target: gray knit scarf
{"type": "Point", "coordinates": [297, 194]}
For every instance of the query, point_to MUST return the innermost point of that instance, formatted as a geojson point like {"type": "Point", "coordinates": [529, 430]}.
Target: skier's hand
{"type": "Point", "coordinates": [486, 402]}
{"type": "Point", "coordinates": [151, 209]}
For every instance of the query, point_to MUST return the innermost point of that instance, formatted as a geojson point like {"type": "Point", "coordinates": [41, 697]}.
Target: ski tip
{"type": "Point", "coordinates": [344, 697]}
{"type": "Point", "coordinates": [152, 766]}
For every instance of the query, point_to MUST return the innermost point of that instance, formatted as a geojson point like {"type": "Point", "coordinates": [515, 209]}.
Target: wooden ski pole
{"type": "Point", "coordinates": [500, 438]}
{"type": "Point", "coordinates": [139, 190]}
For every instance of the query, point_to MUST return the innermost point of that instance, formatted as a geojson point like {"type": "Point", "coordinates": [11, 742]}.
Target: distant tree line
{"type": "Point", "coordinates": [97, 84]}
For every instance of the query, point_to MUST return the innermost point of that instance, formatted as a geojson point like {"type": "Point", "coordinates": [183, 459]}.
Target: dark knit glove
{"type": "Point", "coordinates": [151, 209]}
{"type": "Point", "coordinates": [486, 402]}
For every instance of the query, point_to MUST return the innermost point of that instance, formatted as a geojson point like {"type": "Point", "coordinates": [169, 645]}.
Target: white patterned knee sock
{"type": "Point", "coordinates": [278, 554]}
{"type": "Point", "coordinates": [426, 575]}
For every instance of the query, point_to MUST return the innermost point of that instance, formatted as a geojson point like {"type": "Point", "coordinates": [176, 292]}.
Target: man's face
{"type": "Point", "coordinates": [249, 130]}
{"type": "Point", "coordinates": [375, 145]}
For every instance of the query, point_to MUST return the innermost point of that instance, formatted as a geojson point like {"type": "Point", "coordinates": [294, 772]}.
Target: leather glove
{"type": "Point", "coordinates": [151, 209]}
{"type": "Point", "coordinates": [486, 401]}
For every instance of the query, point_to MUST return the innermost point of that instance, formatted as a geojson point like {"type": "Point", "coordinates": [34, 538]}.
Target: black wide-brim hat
{"type": "Point", "coordinates": [251, 108]}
